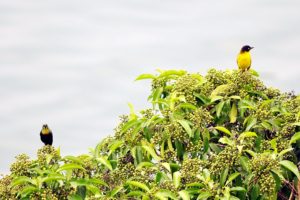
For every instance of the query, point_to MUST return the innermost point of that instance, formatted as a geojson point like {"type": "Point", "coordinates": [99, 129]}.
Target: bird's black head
{"type": "Point", "coordinates": [246, 48]}
{"type": "Point", "coordinates": [45, 126]}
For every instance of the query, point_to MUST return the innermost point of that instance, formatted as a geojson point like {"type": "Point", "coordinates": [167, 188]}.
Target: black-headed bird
{"type": "Point", "coordinates": [244, 58]}
{"type": "Point", "coordinates": [46, 135]}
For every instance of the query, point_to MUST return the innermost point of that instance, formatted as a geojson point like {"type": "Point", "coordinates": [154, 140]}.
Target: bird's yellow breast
{"type": "Point", "coordinates": [45, 131]}
{"type": "Point", "coordinates": [244, 60]}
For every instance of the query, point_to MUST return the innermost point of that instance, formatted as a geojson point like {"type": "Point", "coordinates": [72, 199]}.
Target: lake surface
{"type": "Point", "coordinates": [72, 64]}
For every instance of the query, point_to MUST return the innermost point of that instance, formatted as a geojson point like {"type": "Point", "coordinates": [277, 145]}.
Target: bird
{"type": "Point", "coordinates": [46, 135]}
{"type": "Point", "coordinates": [244, 58]}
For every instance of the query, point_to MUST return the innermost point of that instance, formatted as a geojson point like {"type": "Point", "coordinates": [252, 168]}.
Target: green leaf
{"type": "Point", "coordinates": [204, 195]}
{"type": "Point", "coordinates": [22, 180]}
{"type": "Point", "coordinates": [254, 73]}
{"type": "Point", "coordinates": [205, 100]}
{"type": "Point", "coordinates": [176, 179]}
{"type": "Point", "coordinates": [129, 125]}
{"type": "Point", "coordinates": [184, 195]}
{"type": "Point", "coordinates": [285, 151]}
{"type": "Point", "coordinates": [233, 113]}
{"type": "Point", "coordinates": [116, 144]}
{"type": "Point", "coordinates": [226, 140]}
{"type": "Point", "coordinates": [105, 162]}
{"type": "Point", "coordinates": [132, 113]}
{"type": "Point", "coordinates": [214, 147]}
{"type": "Point", "coordinates": [172, 73]}
{"type": "Point", "coordinates": [295, 137]}
{"type": "Point", "coordinates": [251, 121]}
{"type": "Point", "coordinates": [139, 185]}
{"type": "Point", "coordinates": [145, 76]}
{"type": "Point", "coordinates": [186, 126]}
{"type": "Point", "coordinates": [254, 192]}
{"type": "Point", "coordinates": [75, 197]}
{"type": "Point", "coordinates": [179, 148]}
{"type": "Point", "coordinates": [144, 164]}
{"type": "Point", "coordinates": [223, 176]}
{"type": "Point", "coordinates": [81, 191]}
{"type": "Point", "coordinates": [152, 152]}
{"type": "Point", "coordinates": [221, 89]}
{"type": "Point", "coordinates": [296, 124]}
{"type": "Point", "coordinates": [245, 163]}
{"type": "Point", "coordinates": [136, 193]}
{"type": "Point", "coordinates": [235, 97]}
{"type": "Point", "coordinates": [215, 98]}
{"type": "Point", "coordinates": [73, 159]}
{"type": "Point", "coordinates": [219, 108]}
{"type": "Point", "coordinates": [27, 190]}
{"type": "Point", "coordinates": [158, 177]}
{"type": "Point", "coordinates": [238, 189]}
{"type": "Point", "coordinates": [247, 134]}
{"type": "Point", "coordinates": [252, 153]}
{"type": "Point", "coordinates": [232, 177]}
{"type": "Point", "coordinates": [290, 166]}
{"type": "Point", "coordinates": [223, 129]}
{"type": "Point", "coordinates": [165, 194]}
{"type": "Point", "coordinates": [53, 177]}
{"type": "Point", "coordinates": [187, 106]}
{"type": "Point", "coordinates": [93, 189]}
{"type": "Point", "coordinates": [115, 191]}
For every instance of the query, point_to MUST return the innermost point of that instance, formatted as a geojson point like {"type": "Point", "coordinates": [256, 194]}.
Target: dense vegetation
{"type": "Point", "coordinates": [220, 136]}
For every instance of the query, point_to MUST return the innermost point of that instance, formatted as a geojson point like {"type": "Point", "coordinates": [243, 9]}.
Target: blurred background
{"type": "Point", "coordinates": [72, 64]}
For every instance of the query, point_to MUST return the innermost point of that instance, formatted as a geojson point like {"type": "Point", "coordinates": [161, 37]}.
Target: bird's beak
{"type": "Point", "coordinates": [251, 47]}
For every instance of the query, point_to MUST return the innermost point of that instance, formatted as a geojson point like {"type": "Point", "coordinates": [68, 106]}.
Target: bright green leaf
{"type": "Point", "coordinates": [145, 76]}
{"type": "Point", "coordinates": [184, 195]}
{"type": "Point", "coordinates": [290, 166]}
{"type": "Point", "coordinates": [223, 129]}
{"type": "Point", "coordinates": [232, 177]}
{"type": "Point", "coordinates": [139, 185]}
{"type": "Point", "coordinates": [165, 194]}
{"type": "Point", "coordinates": [176, 179]}
{"type": "Point", "coordinates": [186, 126]}
{"type": "Point", "coordinates": [295, 137]}
{"type": "Point", "coordinates": [105, 162]}
{"type": "Point", "coordinates": [233, 113]}
{"type": "Point", "coordinates": [152, 152]}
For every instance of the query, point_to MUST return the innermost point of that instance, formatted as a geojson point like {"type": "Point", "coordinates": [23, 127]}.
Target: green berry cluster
{"type": "Point", "coordinates": [6, 190]}
{"type": "Point", "coordinates": [201, 118]}
{"type": "Point", "coordinates": [21, 167]}
{"type": "Point", "coordinates": [145, 175]}
{"type": "Point", "coordinates": [169, 155]}
{"type": "Point", "coordinates": [47, 155]}
{"type": "Point", "coordinates": [191, 168]}
{"type": "Point", "coordinates": [186, 86]}
{"type": "Point", "coordinates": [168, 185]}
{"type": "Point", "coordinates": [176, 131]}
{"type": "Point", "coordinates": [261, 166]}
{"type": "Point", "coordinates": [226, 158]}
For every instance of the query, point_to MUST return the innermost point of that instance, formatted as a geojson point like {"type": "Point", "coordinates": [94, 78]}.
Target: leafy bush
{"type": "Point", "coordinates": [220, 136]}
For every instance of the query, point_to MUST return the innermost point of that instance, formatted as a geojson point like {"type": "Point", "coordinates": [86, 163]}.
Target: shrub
{"type": "Point", "coordinates": [220, 136]}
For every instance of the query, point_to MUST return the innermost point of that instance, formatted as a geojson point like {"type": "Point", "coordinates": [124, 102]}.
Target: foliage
{"type": "Point", "coordinates": [221, 136]}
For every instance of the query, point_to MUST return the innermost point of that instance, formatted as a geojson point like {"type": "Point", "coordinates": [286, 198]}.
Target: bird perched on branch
{"type": "Point", "coordinates": [46, 135]}
{"type": "Point", "coordinates": [244, 58]}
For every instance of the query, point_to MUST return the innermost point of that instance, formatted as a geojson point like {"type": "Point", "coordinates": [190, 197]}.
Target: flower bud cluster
{"type": "Point", "coordinates": [45, 153]}
{"type": "Point", "coordinates": [186, 86]}
{"type": "Point", "coordinates": [201, 118]}
{"type": "Point", "coordinates": [226, 158]}
{"type": "Point", "coordinates": [21, 167]}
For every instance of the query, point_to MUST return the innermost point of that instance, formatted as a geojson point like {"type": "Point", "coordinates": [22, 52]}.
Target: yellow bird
{"type": "Point", "coordinates": [244, 58]}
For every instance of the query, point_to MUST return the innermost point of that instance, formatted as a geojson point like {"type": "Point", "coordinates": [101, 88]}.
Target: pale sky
{"type": "Point", "coordinates": [72, 64]}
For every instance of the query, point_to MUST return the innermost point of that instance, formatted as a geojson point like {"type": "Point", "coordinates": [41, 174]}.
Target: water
{"type": "Point", "coordinates": [72, 64]}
